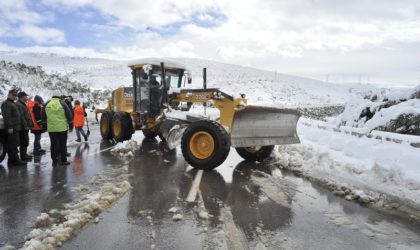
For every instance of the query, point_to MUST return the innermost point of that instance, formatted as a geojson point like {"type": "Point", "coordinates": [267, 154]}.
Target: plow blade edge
{"type": "Point", "coordinates": [263, 126]}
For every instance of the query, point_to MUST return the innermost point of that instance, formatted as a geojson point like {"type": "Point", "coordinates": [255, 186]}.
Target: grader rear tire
{"type": "Point", "coordinates": [205, 144]}
{"type": "Point", "coordinates": [255, 153]}
{"type": "Point", "coordinates": [122, 126]}
{"type": "Point", "coordinates": [106, 124]}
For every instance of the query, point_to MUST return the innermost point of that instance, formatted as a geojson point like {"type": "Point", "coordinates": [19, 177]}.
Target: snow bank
{"type": "Point", "coordinates": [53, 228]}
{"type": "Point", "coordinates": [385, 168]}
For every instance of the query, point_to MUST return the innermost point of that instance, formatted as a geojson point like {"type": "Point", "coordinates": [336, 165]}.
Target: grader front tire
{"type": "Point", "coordinates": [122, 126]}
{"type": "Point", "coordinates": [205, 144]}
{"type": "Point", "coordinates": [255, 153]}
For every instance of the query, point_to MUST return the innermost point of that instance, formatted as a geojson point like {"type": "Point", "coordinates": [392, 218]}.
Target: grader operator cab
{"type": "Point", "coordinates": [205, 143]}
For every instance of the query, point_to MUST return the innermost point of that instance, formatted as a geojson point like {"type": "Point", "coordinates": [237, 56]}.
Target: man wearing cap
{"type": "Point", "coordinates": [57, 119]}
{"type": "Point", "coordinates": [13, 124]}
{"type": "Point", "coordinates": [25, 127]}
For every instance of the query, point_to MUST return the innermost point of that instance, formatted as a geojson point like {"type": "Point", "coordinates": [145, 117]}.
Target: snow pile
{"type": "Point", "coordinates": [397, 111]}
{"type": "Point", "coordinates": [125, 148]}
{"type": "Point", "coordinates": [383, 170]}
{"type": "Point", "coordinates": [53, 228]}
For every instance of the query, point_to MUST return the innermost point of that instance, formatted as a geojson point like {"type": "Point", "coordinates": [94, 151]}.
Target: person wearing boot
{"type": "Point", "coordinates": [26, 126]}
{"type": "Point", "coordinates": [35, 109]}
{"type": "Point", "coordinates": [13, 124]}
{"type": "Point", "coordinates": [57, 119]}
{"type": "Point", "coordinates": [79, 121]}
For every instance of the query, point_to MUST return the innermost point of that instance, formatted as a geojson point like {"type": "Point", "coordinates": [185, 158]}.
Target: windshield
{"type": "Point", "coordinates": [172, 78]}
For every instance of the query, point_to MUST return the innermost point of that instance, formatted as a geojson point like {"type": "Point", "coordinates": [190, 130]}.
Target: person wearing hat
{"type": "Point", "coordinates": [57, 119]}
{"type": "Point", "coordinates": [13, 124]}
{"type": "Point", "coordinates": [79, 120]}
{"type": "Point", "coordinates": [25, 126]}
{"type": "Point", "coordinates": [35, 109]}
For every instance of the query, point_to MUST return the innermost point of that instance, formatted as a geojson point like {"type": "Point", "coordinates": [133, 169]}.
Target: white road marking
{"type": "Point", "coordinates": [194, 188]}
{"type": "Point", "coordinates": [236, 238]}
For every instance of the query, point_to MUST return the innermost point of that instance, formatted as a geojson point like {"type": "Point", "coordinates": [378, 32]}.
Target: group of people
{"type": "Point", "coordinates": [57, 116]}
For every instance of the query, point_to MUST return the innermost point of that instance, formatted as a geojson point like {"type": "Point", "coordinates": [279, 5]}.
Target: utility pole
{"type": "Point", "coordinates": [65, 70]}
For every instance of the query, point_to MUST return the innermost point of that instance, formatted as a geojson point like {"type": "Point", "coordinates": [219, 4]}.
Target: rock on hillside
{"type": "Point", "coordinates": [391, 111]}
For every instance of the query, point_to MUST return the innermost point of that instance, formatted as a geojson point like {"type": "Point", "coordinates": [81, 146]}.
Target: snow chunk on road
{"type": "Point", "coordinates": [44, 220]}
{"type": "Point", "coordinates": [173, 210]}
{"type": "Point", "coordinates": [125, 149]}
{"type": "Point", "coordinates": [177, 217]}
{"type": "Point", "coordinates": [203, 215]}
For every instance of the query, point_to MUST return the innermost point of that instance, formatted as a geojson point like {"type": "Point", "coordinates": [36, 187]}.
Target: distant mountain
{"type": "Point", "coordinates": [261, 87]}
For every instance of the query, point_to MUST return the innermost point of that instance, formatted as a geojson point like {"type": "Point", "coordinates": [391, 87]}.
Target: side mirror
{"type": "Point", "coordinates": [145, 76]}
{"type": "Point", "coordinates": [187, 75]}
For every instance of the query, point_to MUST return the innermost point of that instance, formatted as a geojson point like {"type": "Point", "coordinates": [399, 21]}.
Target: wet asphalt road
{"type": "Point", "coordinates": [246, 210]}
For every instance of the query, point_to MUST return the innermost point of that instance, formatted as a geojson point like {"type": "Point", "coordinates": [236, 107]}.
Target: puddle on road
{"type": "Point", "coordinates": [275, 209]}
{"type": "Point", "coordinates": [270, 208]}
{"type": "Point", "coordinates": [26, 192]}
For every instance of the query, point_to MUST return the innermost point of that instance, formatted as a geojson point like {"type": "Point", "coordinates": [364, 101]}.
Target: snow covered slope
{"type": "Point", "coordinates": [261, 87]}
{"type": "Point", "coordinates": [35, 81]}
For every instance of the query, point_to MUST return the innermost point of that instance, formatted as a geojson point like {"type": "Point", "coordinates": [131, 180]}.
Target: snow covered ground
{"type": "Point", "coordinates": [378, 168]}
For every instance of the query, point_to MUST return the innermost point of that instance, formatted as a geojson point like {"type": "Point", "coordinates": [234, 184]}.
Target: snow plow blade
{"type": "Point", "coordinates": [263, 126]}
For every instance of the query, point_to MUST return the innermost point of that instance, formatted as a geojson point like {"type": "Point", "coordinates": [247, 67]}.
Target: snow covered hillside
{"type": "Point", "coordinates": [35, 81]}
{"type": "Point", "coordinates": [261, 87]}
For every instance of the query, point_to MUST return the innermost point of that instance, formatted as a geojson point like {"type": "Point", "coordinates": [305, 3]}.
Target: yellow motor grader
{"type": "Point", "coordinates": [153, 103]}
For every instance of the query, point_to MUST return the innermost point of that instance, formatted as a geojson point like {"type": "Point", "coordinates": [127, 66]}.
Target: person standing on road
{"type": "Point", "coordinates": [68, 100]}
{"type": "Point", "coordinates": [26, 125]}
{"type": "Point", "coordinates": [13, 124]}
{"type": "Point", "coordinates": [35, 109]}
{"type": "Point", "coordinates": [57, 119]}
{"type": "Point", "coordinates": [79, 120]}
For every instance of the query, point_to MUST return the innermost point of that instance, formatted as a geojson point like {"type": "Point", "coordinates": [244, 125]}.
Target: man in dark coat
{"type": "Point", "coordinates": [13, 124]}
{"type": "Point", "coordinates": [26, 126]}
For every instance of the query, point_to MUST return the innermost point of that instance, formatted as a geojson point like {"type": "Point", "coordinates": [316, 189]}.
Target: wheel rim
{"type": "Point", "coordinates": [253, 149]}
{"type": "Point", "coordinates": [104, 125]}
{"type": "Point", "coordinates": [117, 128]}
{"type": "Point", "coordinates": [202, 145]}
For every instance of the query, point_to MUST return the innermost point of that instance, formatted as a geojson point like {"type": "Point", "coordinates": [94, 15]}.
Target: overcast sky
{"type": "Point", "coordinates": [339, 40]}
